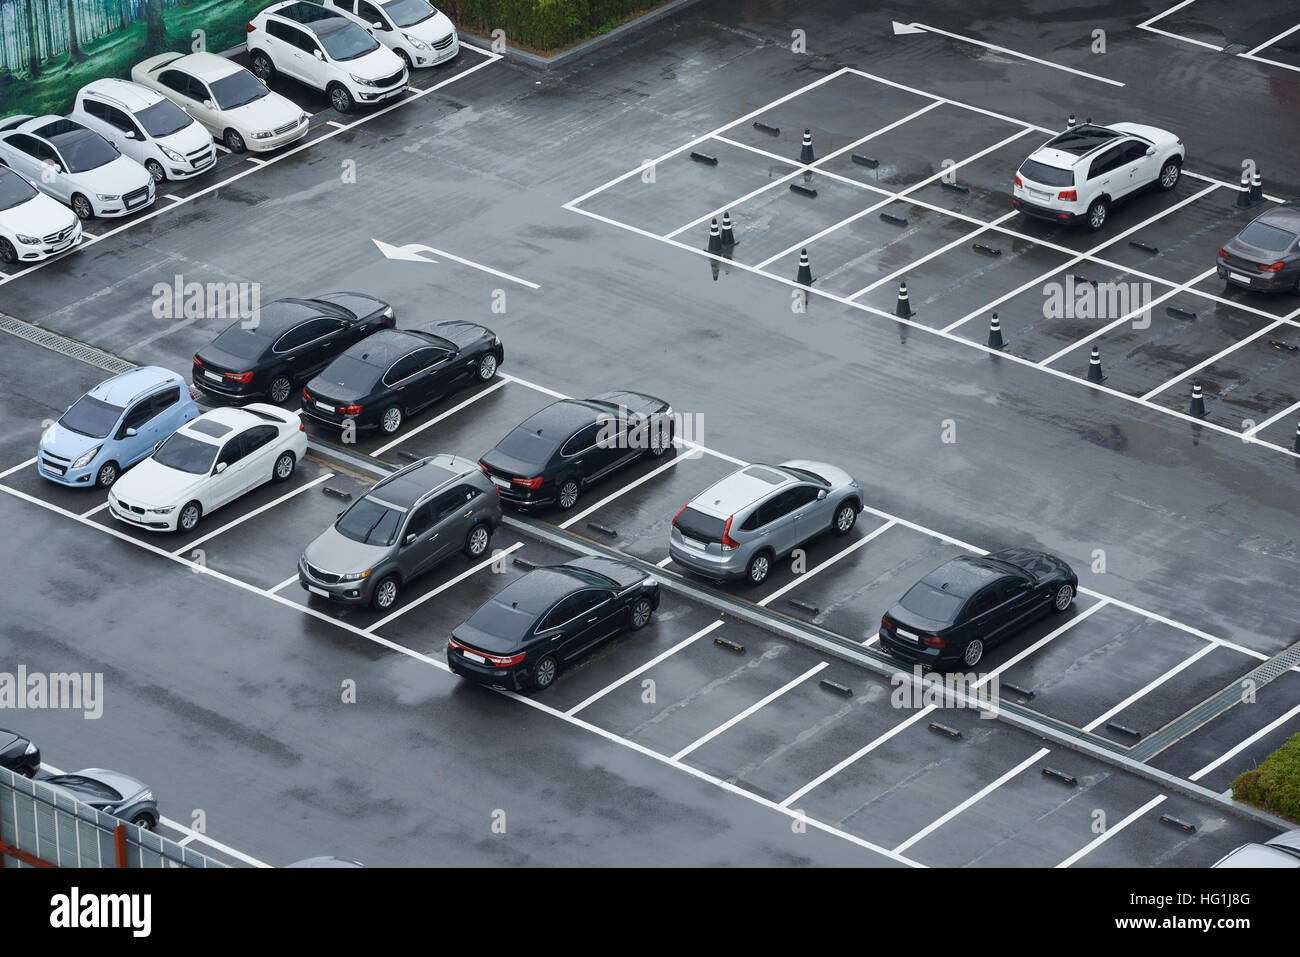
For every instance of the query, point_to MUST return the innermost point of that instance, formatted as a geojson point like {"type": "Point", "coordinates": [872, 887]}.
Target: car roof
{"type": "Point", "coordinates": [561, 419]}
{"type": "Point", "coordinates": [382, 348]}
{"type": "Point", "coordinates": [410, 484]}
{"type": "Point", "coordinates": [741, 489]}
{"type": "Point", "coordinates": [205, 66]}
{"type": "Point", "coordinates": [121, 389]}
{"type": "Point", "coordinates": [313, 16]}
{"type": "Point", "coordinates": [539, 589]}
{"type": "Point", "coordinates": [964, 576]}
{"type": "Point", "coordinates": [1286, 216]}
{"type": "Point", "coordinates": [234, 419]}
{"type": "Point", "coordinates": [132, 96]}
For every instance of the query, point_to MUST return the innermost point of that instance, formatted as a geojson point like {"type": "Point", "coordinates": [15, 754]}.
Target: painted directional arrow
{"type": "Point", "coordinates": [415, 253]}
{"type": "Point", "coordinates": [906, 28]}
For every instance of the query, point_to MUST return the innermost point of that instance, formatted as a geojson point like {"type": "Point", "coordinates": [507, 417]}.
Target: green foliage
{"type": "Point", "coordinates": [544, 24]}
{"type": "Point", "coordinates": [1274, 786]}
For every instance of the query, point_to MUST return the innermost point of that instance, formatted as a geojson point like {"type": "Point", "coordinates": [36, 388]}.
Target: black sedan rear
{"type": "Point", "coordinates": [18, 754]}
{"type": "Point", "coordinates": [572, 444]}
{"type": "Point", "coordinates": [969, 604]}
{"type": "Point", "coordinates": [1265, 256]}
{"type": "Point", "coordinates": [386, 378]}
{"type": "Point", "coordinates": [548, 619]}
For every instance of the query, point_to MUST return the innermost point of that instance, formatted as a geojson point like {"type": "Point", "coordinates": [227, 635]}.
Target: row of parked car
{"type": "Point", "coordinates": [124, 138]}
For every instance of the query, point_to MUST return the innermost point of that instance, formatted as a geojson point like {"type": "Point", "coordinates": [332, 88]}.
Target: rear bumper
{"type": "Point", "coordinates": [1046, 212]}
{"type": "Point", "coordinates": [729, 568]}
{"type": "Point", "coordinates": [512, 679]}
{"type": "Point", "coordinates": [1252, 278]}
{"type": "Point", "coordinates": [915, 654]}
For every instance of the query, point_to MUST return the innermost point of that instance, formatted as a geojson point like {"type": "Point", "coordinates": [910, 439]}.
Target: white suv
{"type": "Point", "coordinates": [147, 127]}
{"type": "Point", "coordinates": [323, 49]}
{"type": "Point", "coordinates": [1079, 174]}
{"type": "Point", "coordinates": [413, 29]}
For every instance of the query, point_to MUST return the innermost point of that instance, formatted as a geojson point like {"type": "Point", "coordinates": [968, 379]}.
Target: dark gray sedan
{"type": "Point", "coordinates": [1265, 256]}
{"type": "Point", "coordinates": [111, 792]}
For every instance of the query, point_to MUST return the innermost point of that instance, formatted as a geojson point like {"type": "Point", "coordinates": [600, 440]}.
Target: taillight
{"type": "Point", "coordinates": [251, 28]}
{"type": "Point", "coordinates": [884, 623]}
{"type": "Point", "coordinates": [932, 641]}
{"type": "Point", "coordinates": [528, 483]}
{"type": "Point", "coordinates": [239, 376]}
{"type": "Point", "coordinates": [1273, 268]}
{"type": "Point", "coordinates": [1222, 254]}
{"type": "Point", "coordinates": [1069, 195]}
{"type": "Point", "coordinates": [305, 396]}
{"type": "Point", "coordinates": [484, 468]}
{"type": "Point", "coordinates": [302, 426]}
{"type": "Point", "coordinates": [1019, 182]}
{"type": "Point", "coordinates": [199, 362]}
{"type": "Point", "coordinates": [349, 410]}
{"type": "Point", "coordinates": [727, 542]}
{"type": "Point", "coordinates": [498, 660]}
{"type": "Point", "coordinates": [680, 510]}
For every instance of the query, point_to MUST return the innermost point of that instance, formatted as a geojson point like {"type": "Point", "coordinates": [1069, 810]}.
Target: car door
{"type": "Point", "coordinates": [421, 542]}
{"type": "Point", "coordinates": [812, 511]}
{"type": "Point", "coordinates": [192, 96]}
{"type": "Point", "coordinates": [453, 513]}
{"type": "Point", "coordinates": [125, 134]}
{"type": "Point", "coordinates": [134, 437]}
{"type": "Point", "coordinates": [404, 380]}
{"type": "Point", "coordinates": [314, 69]}
{"type": "Point", "coordinates": [1136, 165]}
{"type": "Point", "coordinates": [979, 618]}
{"type": "Point", "coordinates": [775, 521]}
{"type": "Point", "coordinates": [281, 45]}
{"type": "Point", "coordinates": [168, 415]}
{"type": "Point", "coordinates": [1019, 602]}
{"type": "Point", "coordinates": [582, 454]}
{"type": "Point", "coordinates": [259, 456]}
{"type": "Point", "coordinates": [1102, 177]}
{"type": "Point", "coordinates": [227, 476]}
{"type": "Point", "coordinates": [369, 15]}
{"type": "Point", "coordinates": [23, 156]}
{"type": "Point", "coordinates": [431, 379]}
{"type": "Point", "coordinates": [559, 630]}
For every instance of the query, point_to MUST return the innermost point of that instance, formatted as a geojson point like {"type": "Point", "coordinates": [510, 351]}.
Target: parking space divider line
{"type": "Point", "coordinates": [1110, 832]}
{"type": "Point", "coordinates": [707, 629]}
{"type": "Point", "coordinates": [288, 581]}
{"type": "Point", "coordinates": [960, 240]}
{"type": "Point", "coordinates": [438, 418]}
{"type": "Point", "coordinates": [1046, 639]}
{"type": "Point", "coordinates": [472, 570]}
{"type": "Point", "coordinates": [1238, 748]}
{"type": "Point", "coordinates": [626, 488]}
{"type": "Point", "coordinates": [762, 703]}
{"type": "Point", "coordinates": [1289, 410]}
{"type": "Point", "coordinates": [255, 512]}
{"type": "Point", "coordinates": [94, 511]}
{"type": "Point", "coordinates": [1148, 688]}
{"type": "Point", "coordinates": [800, 579]}
{"type": "Point", "coordinates": [18, 468]}
{"type": "Point", "coordinates": [1102, 330]}
{"type": "Point", "coordinates": [663, 562]}
{"type": "Point", "coordinates": [1263, 330]}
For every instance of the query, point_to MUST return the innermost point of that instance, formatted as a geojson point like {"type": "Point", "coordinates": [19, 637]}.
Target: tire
{"type": "Point", "coordinates": [1097, 214]}
{"type": "Point", "coordinates": [156, 171]}
{"type": "Point", "coordinates": [145, 821]}
{"type": "Point", "coordinates": [973, 653]}
{"type": "Point", "coordinates": [846, 516]}
{"type": "Point", "coordinates": [385, 594]}
{"type": "Point", "coordinates": [1169, 174]}
{"type": "Point", "coordinates": [478, 540]}
{"type": "Point", "coordinates": [391, 419]}
{"type": "Point", "coordinates": [661, 442]}
{"type": "Point", "coordinates": [341, 99]}
{"type": "Point", "coordinates": [487, 367]}
{"type": "Point", "coordinates": [283, 468]}
{"type": "Point", "coordinates": [189, 517]}
{"type": "Point", "coordinates": [406, 60]}
{"type": "Point", "coordinates": [81, 206]}
{"type": "Point", "coordinates": [8, 254]}
{"type": "Point", "coordinates": [281, 389]}
{"type": "Point", "coordinates": [568, 495]}
{"type": "Point", "coordinates": [234, 141]}
{"type": "Point", "coordinates": [262, 66]}
{"type": "Point", "coordinates": [759, 567]}
{"type": "Point", "coordinates": [642, 610]}
{"type": "Point", "coordinates": [1063, 598]}
{"type": "Point", "coordinates": [544, 673]}
{"type": "Point", "coordinates": [108, 474]}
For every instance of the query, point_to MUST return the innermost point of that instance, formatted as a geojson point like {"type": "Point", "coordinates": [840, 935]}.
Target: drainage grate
{"type": "Point", "coordinates": [64, 346]}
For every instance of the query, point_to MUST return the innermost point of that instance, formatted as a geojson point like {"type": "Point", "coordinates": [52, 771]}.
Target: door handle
{"type": "Point", "coordinates": [592, 618]}
{"type": "Point", "coordinates": [469, 513]}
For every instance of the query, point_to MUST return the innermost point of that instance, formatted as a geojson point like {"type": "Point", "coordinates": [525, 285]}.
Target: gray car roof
{"type": "Point", "coordinates": [742, 488]}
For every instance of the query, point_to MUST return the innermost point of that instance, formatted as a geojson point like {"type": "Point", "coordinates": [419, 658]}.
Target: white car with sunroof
{"type": "Point", "coordinates": [416, 30]}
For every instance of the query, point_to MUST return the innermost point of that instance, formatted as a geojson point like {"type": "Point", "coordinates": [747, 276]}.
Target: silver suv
{"type": "Point", "coordinates": [404, 526]}
{"type": "Point", "coordinates": [739, 526]}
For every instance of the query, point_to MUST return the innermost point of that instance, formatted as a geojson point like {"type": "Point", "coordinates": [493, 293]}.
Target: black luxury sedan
{"type": "Point", "coordinates": [384, 379]}
{"type": "Point", "coordinates": [547, 619]}
{"type": "Point", "coordinates": [969, 604]}
{"type": "Point", "coordinates": [18, 754]}
{"type": "Point", "coordinates": [286, 343]}
{"type": "Point", "coordinates": [1265, 256]}
{"type": "Point", "coordinates": [571, 444]}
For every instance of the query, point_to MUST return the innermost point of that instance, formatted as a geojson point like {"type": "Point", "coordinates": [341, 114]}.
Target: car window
{"type": "Point", "coordinates": [780, 504]}
{"type": "Point", "coordinates": [349, 5]}
{"type": "Point", "coordinates": [305, 332]}
{"type": "Point", "coordinates": [567, 609]}
{"type": "Point", "coordinates": [162, 401]}
{"type": "Point", "coordinates": [403, 368]}
{"type": "Point", "coordinates": [305, 41]}
{"type": "Point", "coordinates": [178, 82]}
{"type": "Point", "coordinates": [368, 13]}
{"type": "Point", "coordinates": [137, 415]}
{"type": "Point", "coordinates": [258, 436]}
{"type": "Point", "coordinates": [95, 108]}
{"type": "Point", "coordinates": [91, 417]}
{"type": "Point", "coordinates": [231, 452]}
{"type": "Point", "coordinates": [280, 30]}
{"type": "Point", "coordinates": [186, 454]}
{"type": "Point", "coordinates": [802, 495]}
{"type": "Point", "coordinates": [1106, 162]}
{"type": "Point", "coordinates": [421, 519]}
{"type": "Point", "coordinates": [431, 357]}
{"type": "Point", "coordinates": [25, 144]}
{"type": "Point", "coordinates": [982, 602]}
{"type": "Point", "coordinates": [931, 603]}
{"type": "Point", "coordinates": [407, 13]}
{"type": "Point", "coordinates": [1133, 151]}
{"type": "Point", "coordinates": [370, 522]}
{"type": "Point", "coordinates": [163, 118]}
{"type": "Point", "coordinates": [122, 121]}
{"type": "Point", "coordinates": [581, 440]}
{"type": "Point", "coordinates": [237, 89]}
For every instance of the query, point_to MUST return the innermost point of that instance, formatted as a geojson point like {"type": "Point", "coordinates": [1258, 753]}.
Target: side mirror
{"type": "Point", "coordinates": [339, 515]}
{"type": "Point", "coordinates": [821, 494]}
{"type": "Point", "coordinates": [132, 433]}
{"type": "Point", "coordinates": [1151, 151]}
{"type": "Point", "coordinates": [207, 104]}
{"type": "Point", "coordinates": [319, 55]}
{"type": "Point", "coordinates": [409, 540]}
{"type": "Point", "coordinates": [128, 134]}
{"type": "Point", "coordinates": [379, 26]}
{"type": "Point", "coordinates": [221, 467]}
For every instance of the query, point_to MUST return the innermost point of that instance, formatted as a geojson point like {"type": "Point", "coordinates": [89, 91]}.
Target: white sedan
{"type": "Point", "coordinates": [235, 106]}
{"type": "Point", "coordinates": [75, 165]}
{"type": "Point", "coordinates": [32, 226]}
{"type": "Point", "coordinates": [207, 463]}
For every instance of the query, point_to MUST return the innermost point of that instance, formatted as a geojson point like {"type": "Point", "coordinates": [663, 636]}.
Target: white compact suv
{"type": "Point", "coordinates": [1080, 173]}
{"type": "Point", "coordinates": [415, 30]}
{"type": "Point", "coordinates": [146, 127]}
{"type": "Point", "coordinates": [323, 49]}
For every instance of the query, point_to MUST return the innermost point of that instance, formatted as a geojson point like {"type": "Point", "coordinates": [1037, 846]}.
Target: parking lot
{"type": "Point", "coordinates": [669, 744]}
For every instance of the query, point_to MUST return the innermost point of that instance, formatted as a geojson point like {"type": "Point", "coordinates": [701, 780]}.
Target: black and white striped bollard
{"type": "Point", "coordinates": [995, 333]}
{"type": "Point", "coordinates": [805, 271]}
{"type": "Point", "coordinates": [1197, 406]}
{"type": "Point", "coordinates": [728, 237]}
{"type": "Point", "coordinates": [1094, 367]}
{"type": "Point", "coordinates": [806, 153]}
{"type": "Point", "coordinates": [903, 308]}
{"type": "Point", "coordinates": [1243, 193]}
{"type": "Point", "coordinates": [715, 238]}
{"type": "Point", "coordinates": [1256, 188]}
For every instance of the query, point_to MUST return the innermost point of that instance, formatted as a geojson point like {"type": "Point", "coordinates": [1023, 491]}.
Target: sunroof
{"type": "Point", "coordinates": [766, 475]}
{"type": "Point", "coordinates": [1083, 139]}
{"type": "Point", "coordinates": [208, 427]}
{"type": "Point", "coordinates": [307, 13]}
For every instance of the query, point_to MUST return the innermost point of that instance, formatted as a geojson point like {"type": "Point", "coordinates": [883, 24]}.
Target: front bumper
{"type": "Point", "coordinates": [344, 593]}
{"type": "Point", "coordinates": [254, 145]}
{"type": "Point", "coordinates": [124, 206]}
{"type": "Point", "coordinates": [142, 519]}
{"type": "Point", "coordinates": [191, 169]}
{"type": "Point", "coordinates": [28, 252]}
{"type": "Point", "coordinates": [368, 94]}
{"type": "Point", "coordinates": [47, 467]}
{"type": "Point", "coordinates": [432, 56]}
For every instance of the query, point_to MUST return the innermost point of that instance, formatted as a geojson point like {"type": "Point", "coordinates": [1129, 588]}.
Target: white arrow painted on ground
{"type": "Point", "coordinates": [905, 28]}
{"type": "Point", "coordinates": [414, 252]}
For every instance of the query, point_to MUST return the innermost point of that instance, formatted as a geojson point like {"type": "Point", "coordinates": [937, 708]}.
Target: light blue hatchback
{"type": "Point", "coordinates": [114, 426]}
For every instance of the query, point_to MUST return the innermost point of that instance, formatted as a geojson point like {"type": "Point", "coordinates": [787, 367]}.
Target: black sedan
{"type": "Point", "coordinates": [549, 618]}
{"type": "Point", "coordinates": [969, 604]}
{"type": "Point", "coordinates": [18, 754]}
{"type": "Point", "coordinates": [285, 343]}
{"type": "Point", "coordinates": [386, 378]}
{"type": "Point", "coordinates": [1265, 256]}
{"type": "Point", "coordinates": [571, 444]}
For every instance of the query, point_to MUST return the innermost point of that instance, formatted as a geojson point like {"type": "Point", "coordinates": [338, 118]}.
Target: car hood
{"type": "Point", "coordinates": [376, 64]}
{"type": "Point", "coordinates": [1153, 133]}
{"type": "Point", "coordinates": [8, 739]}
{"type": "Point", "coordinates": [156, 486]}
{"type": "Point", "coordinates": [269, 113]}
{"type": "Point", "coordinates": [831, 473]}
{"type": "Point", "coordinates": [435, 28]}
{"type": "Point", "coordinates": [68, 444]}
{"type": "Point", "coordinates": [461, 333]}
{"type": "Point", "coordinates": [122, 175]}
{"type": "Point", "coordinates": [333, 552]}
{"type": "Point", "coordinates": [187, 140]}
{"type": "Point", "coordinates": [633, 401]}
{"type": "Point", "coordinates": [38, 217]}
{"type": "Point", "coordinates": [1258, 855]}
{"type": "Point", "coordinates": [1039, 565]}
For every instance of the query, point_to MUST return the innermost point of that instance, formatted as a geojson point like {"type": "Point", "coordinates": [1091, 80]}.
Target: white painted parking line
{"type": "Point", "coordinates": [800, 579]}
{"type": "Point", "coordinates": [1102, 330]}
{"type": "Point", "coordinates": [472, 570]}
{"type": "Point", "coordinates": [711, 626]}
{"type": "Point", "coordinates": [174, 198]}
{"type": "Point", "coordinates": [757, 705]}
{"type": "Point", "coordinates": [410, 433]}
{"type": "Point", "coordinates": [663, 562]}
{"type": "Point", "coordinates": [1268, 43]}
{"type": "Point", "coordinates": [1046, 639]}
{"type": "Point", "coordinates": [1148, 688]}
{"type": "Point", "coordinates": [186, 840]}
{"type": "Point", "coordinates": [18, 468]}
{"type": "Point", "coordinates": [254, 513]}
{"type": "Point", "coordinates": [1289, 410]}
{"type": "Point", "coordinates": [1237, 749]}
{"type": "Point", "coordinates": [626, 488]}
{"type": "Point", "coordinates": [221, 148]}
{"type": "Point", "coordinates": [94, 511]}
{"type": "Point", "coordinates": [1211, 360]}
{"type": "Point", "coordinates": [1110, 832]}
{"type": "Point", "coordinates": [975, 798]}
{"type": "Point", "coordinates": [959, 241]}
{"type": "Point", "coordinates": [926, 28]}
{"type": "Point", "coordinates": [254, 160]}
{"type": "Point", "coordinates": [336, 124]}
{"type": "Point", "coordinates": [284, 584]}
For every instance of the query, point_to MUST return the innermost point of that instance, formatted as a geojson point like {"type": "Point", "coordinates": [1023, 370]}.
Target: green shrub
{"type": "Point", "coordinates": [544, 24]}
{"type": "Point", "coordinates": [1274, 786]}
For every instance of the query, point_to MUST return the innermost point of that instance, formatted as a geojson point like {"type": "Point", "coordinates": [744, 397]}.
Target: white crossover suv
{"type": "Point", "coordinates": [415, 30]}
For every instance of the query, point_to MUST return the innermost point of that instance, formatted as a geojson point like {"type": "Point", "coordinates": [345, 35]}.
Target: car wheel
{"type": "Point", "coordinates": [81, 206]}
{"type": "Point", "coordinates": [477, 541]}
{"type": "Point", "coordinates": [568, 495]}
{"type": "Point", "coordinates": [107, 475]}
{"type": "Point", "coordinates": [386, 591]}
{"type": "Point", "coordinates": [846, 516]}
{"type": "Point", "coordinates": [1097, 214]}
{"type": "Point", "coordinates": [406, 60]}
{"type": "Point", "coordinates": [8, 254]}
{"type": "Point", "coordinates": [283, 467]}
{"type": "Point", "coordinates": [391, 420]}
{"type": "Point", "coordinates": [759, 566]}
{"type": "Point", "coordinates": [973, 653]}
{"type": "Point", "coordinates": [544, 673]}
{"type": "Point", "coordinates": [662, 440]}
{"type": "Point", "coordinates": [281, 387]}
{"type": "Point", "coordinates": [341, 99]}
{"type": "Point", "coordinates": [262, 66]}
{"type": "Point", "coordinates": [1169, 174]}
{"type": "Point", "coordinates": [487, 367]}
{"type": "Point", "coordinates": [144, 820]}
{"type": "Point", "coordinates": [189, 517]}
{"type": "Point", "coordinates": [156, 171]}
{"type": "Point", "coordinates": [1064, 596]}
{"type": "Point", "coordinates": [234, 141]}
{"type": "Point", "coordinates": [642, 609]}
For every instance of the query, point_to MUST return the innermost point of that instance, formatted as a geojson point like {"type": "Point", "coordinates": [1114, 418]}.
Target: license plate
{"type": "Point", "coordinates": [56, 469]}
{"type": "Point", "coordinates": [473, 657]}
{"type": "Point", "coordinates": [501, 482]}
{"type": "Point", "coordinates": [1039, 194]}
{"type": "Point", "coordinates": [1238, 277]}
{"type": "Point", "coordinates": [213, 376]}
{"type": "Point", "coordinates": [692, 543]}
{"type": "Point", "coordinates": [318, 591]}
{"type": "Point", "coordinates": [904, 634]}
{"type": "Point", "coordinates": [322, 405]}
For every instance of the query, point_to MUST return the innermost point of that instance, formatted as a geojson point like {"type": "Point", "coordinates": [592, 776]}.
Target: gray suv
{"type": "Point", "coordinates": [404, 526]}
{"type": "Point", "coordinates": [739, 526]}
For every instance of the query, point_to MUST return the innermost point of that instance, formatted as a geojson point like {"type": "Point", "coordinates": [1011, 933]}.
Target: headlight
{"type": "Point", "coordinates": [161, 511]}
{"type": "Point", "coordinates": [27, 240]}
{"type": "Point", "coordinates": [388, 312]}
{"type": "Point", "coordinates": [416, 42]}
{"type": "Point", "coordinates": [172, 155]}
{"type": "Point", "coordinates": [649, 581]}
{"type": "Point", "coordinates": [108, 199]}
{"type": "Point", "coordinates": [496, 340]}
{"type": "Point", "coordinates": [355, 576]}
{"type": "Point", "coordinates": [31, 748]}
{"type": "Point", "coordinates": [87, 458]}
{"type": "Point", "coordinates": [362, 80]}
{"type": "Point", "coordinates": [146, 796]}
{"type": "Point", "coordinates": [304, 118]}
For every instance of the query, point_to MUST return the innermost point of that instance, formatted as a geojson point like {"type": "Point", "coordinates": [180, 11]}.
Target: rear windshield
{"type": "Point", "coordinates": [351, 373]}
{"type": "Point", "coordinates": [241, 343]}
{"type": "Point", "coordinates": [501, 621]}
{"type": "Point", "coordinates": [91, 417]}
{"type": "Point", "coordinates": [1267, 237]}
{"type": "Point", "coordinates": [925, 601]}
{"type": "Point", "coordinates": [186, 454]}
{"type": "Point", "coordinates": [1047, 175]}
{"type": "Point", "coordinates": [701, 527]}
{"type": "Point", "coordinates": [370, 522]}
{"type": "Point", "coordinates": [527, 446]}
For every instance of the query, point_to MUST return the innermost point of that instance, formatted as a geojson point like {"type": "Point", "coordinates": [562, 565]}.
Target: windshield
{"type": "Point", "coordinates": [1267, 237]}
{"type": "Point", "coordinates": [348, 42]}
{"type": "Point", "coordinates": [370, 522]}
{"type": "Point", "coordinates": [163, 118]}
{"type": "Point", "coordinates": [14, 190]}
{"type": "Point", "coordinates": [186, 454]}
{"type": "Point", "coordinates": [925, 601]}
{"type": "Point", "coordinates": [91, 417]}
{"type": "Point", "coordinates": [240, 342]}
{"type": "Point", "coordinates": [83, 151]}
{"type": "Point", "coordinates": [1047, 175]}
{"type": "Point", "coordinates": [239, 88]}
{"type": "Point", "coordinates": [351, 373]}
{"type": "Point", "coordinates": [407, 13]}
